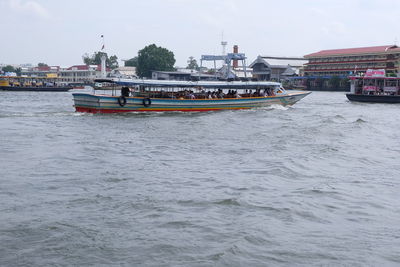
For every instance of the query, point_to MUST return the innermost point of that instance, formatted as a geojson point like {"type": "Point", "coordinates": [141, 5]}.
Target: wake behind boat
{"type": "Point", "coordinates": [138, 95]}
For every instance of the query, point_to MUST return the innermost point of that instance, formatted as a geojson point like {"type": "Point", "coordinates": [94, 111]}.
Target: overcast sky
{"type": "Point", "coordinates": [59, 32]}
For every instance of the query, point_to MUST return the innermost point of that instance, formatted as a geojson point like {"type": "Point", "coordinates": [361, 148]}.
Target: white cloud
{"type": "Point", "coordinates": [30, 7]}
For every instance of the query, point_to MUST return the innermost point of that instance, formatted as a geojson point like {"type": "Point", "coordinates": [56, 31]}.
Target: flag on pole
{"type": "Point", "coordinates": [102, 47]}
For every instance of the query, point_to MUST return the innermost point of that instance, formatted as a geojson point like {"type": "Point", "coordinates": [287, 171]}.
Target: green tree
{"type": "Point", "coordinates": [113, 62]}
{"type": "Point", "coordinates": [95, 59]}
{"type": "Point", "coordinates": [18, 71]}
{"type": "Point", "coordinates": [152, 58]}
{"type": "Point", "coordinates": [211, 71]}
{"type": "Point", "coordinates": [192, 64]}
{"type": "Point", "coordinates": [133, 62]}
{"type": "Point", "coordinates": [8, 68]}
{"type": "Point", "coordinates": [42, 65]}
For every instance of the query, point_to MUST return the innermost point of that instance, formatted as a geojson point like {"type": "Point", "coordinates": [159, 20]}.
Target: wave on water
{"type": "Point", "coordinates": [228, 202]}
{"type": "Point", "coordinates": [359, 120]}
{"type": "Point", "coordinates": [39, 114]}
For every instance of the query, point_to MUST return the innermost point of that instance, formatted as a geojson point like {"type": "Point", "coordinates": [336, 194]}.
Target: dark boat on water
{"type": "Point", "coordinates": [374, 98]}
{"type": "Point", "coordinates": [374, 87]}
{"type": "Point", "coordinates": [32, 84]}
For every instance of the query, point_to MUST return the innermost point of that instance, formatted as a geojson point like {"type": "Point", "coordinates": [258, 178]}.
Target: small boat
{"type": "Point", "coordinates": [374, 87]}
{"type": "Point", "coordinates": [160, 95]}
{"type": "Point", "coordinates": [31, 84]}
{"type": "Point", "coordinates": [80, 86]}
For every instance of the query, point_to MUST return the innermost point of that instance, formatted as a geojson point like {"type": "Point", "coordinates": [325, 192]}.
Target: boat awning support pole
{"type": "Point", "coordinates": [244, 67]}
{"type": "Point", "coordinates": [201, 67]}
{"type": "Point", "coordinates": [215, 69]}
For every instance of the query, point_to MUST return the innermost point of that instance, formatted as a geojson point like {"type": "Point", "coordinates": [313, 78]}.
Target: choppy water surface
{"type": "Point", "coordinates": [314, 184]}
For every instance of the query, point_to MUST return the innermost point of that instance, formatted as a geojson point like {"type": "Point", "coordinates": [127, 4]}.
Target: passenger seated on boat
{"type": "Point", "coordinates": [264, 94]}
{"type": "Point", "coordinates": [125, 91]}
{"type": "Point", "coordinates": [220, 94]}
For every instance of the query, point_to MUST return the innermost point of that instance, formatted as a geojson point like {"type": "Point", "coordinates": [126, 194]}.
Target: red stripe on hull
{"type": "Point", "coordinates": [93, 110]}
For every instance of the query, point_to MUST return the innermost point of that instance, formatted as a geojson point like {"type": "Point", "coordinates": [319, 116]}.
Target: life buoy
{"type": "Point", "coordinates": [122, 101]}
{"type": "Point", "coordinates": [146, 102]}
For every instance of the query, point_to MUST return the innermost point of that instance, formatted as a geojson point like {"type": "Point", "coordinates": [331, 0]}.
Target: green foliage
{"type": "Point", "coordinates": [133, 62]}
{"type": "Point", "coordinates": [8, 68]}
{"type": "Point", "coordinates": [95, 59]}
{"type": "Point", "coordinates": [153, 58]}
{"type": "Point", "coordinates": [113, 62]}
{"type": "Point", "coordinates": [42, 65]}
{"type": "Point", "coordinates": [192, 64]}
{"type": "Point", "coordinates": [286, 83]}
{"type": "Point", "coordinates": [18, 71]}
{"type": "Point", "coordinates": [334, 82]}
{"type": "Point", "coordinates": [345, 82]}
{"type": "Point", "coordinates": [211, 71]}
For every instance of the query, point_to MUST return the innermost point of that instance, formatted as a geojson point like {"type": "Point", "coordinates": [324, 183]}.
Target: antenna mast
{"type": "Point", "coordinates": [223, 43]}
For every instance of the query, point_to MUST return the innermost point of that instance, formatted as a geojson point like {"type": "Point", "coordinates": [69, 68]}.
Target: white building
{"type": "Point", "coordinates": [80, 73]}
{"type": "Point", "coordinates": [124, 72]}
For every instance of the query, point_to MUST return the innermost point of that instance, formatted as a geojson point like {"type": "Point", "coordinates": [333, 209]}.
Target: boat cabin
{"type": "Point", "coordinates": [375, 85]}
{"type": "Point", "coordinates": [191, 90]}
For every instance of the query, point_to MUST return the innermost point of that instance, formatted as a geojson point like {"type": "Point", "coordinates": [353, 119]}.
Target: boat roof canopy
{"type": "Point", "coordinates": [199, 84]}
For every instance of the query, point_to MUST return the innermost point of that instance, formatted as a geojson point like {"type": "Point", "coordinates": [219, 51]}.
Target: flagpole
{"type": "Point", "coordinates": [103, 60]}
{"type": "Point", "coordinates": [103, 42]}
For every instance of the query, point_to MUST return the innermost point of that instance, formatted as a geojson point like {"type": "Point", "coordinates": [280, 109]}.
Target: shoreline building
{"type": "Point", "coordinates": [40, 71]}
{"type": "Point", "coordinates": [73, 74]}
{"type": "Point", "coordinates": [276, 68]}
{"type": "Point", "coordinates": [81, 73]}
{"type": "Point", "coordinates": [352, 61]}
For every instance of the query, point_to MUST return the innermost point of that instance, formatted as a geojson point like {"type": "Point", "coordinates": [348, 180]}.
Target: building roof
{"type": "Point", "coordinates": [258, 60]}
{"type": "Point", "coordinates": [79, 67]}
{"type": "Point", "coordinates": [292, 61]}
{"type": "Point", "coordinates": [290, 72]}
{"type": "Point", "coordinates": [172, 72]}
{"type": "Point", "coordinates": [45, 68]}
{"type": "Point", "coordinates": [87, 67]}
{"type": "Point", "coordinates": [279, 62]}
{"type": "Point", "coordinates": [352, 51]}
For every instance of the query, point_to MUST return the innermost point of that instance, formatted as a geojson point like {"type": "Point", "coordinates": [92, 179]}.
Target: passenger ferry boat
{"type": "Point", "coordinates": [36, 84]}
{"type": "Point", "coordinates": [374, 87]}
{"type": "Point", "coordinates": [159, 95]}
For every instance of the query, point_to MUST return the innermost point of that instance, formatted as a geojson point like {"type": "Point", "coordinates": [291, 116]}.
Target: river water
{"type": "Point", "coordinates": [313, 184]}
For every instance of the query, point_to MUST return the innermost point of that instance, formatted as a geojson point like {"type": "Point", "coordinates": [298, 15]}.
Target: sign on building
{"type": "Point", "coordinates": [375, 73]}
